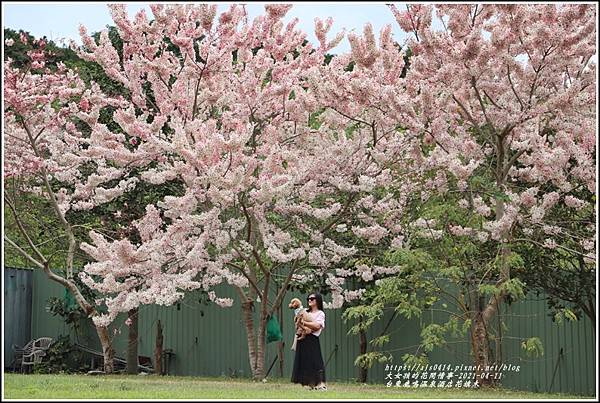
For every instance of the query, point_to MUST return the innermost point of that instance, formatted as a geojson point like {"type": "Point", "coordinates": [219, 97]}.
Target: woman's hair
{"type": "Point", "coordinates": [319, 299]}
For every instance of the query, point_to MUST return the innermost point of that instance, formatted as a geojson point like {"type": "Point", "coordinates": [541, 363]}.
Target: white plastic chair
{"type": "Point", "coordinates": [36, 353]}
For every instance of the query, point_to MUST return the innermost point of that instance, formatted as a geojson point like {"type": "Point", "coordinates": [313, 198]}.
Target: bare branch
{"type": "Point", "coordinates": [558, 246]}
{"type": "Point", "coordinates": [241, 270]}
{"type": "Point", "coordinates": [283, 288]}
{"type": "Point", "coordinates": [467, 113]}
{"type": "Point", "coordinates": [54, 203]}
{"type": "Point", "coordinates": [491, 100]}
{"type": "Point", "coordinates": [337, 217]}
{"type": "Point", "coordinates": [487, 119]}
{"type": "Point", "coordinates": [350, 117]}
{"type": "Point", "coordinates": [511, 162]}
{"type": "Point", "coordinates": [22, 252]}
{"type": "Point", "coordinates": [23, 230]}
{"type": "Point", "coordinates": [512, 86]}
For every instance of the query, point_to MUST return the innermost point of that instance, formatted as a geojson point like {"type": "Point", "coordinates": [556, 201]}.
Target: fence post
{"type": "Point", "coordinates": [560, 354]}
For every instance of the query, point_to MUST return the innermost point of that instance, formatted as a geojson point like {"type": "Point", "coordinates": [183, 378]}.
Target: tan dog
{"type": "Point", "coordinates": [300, 316]}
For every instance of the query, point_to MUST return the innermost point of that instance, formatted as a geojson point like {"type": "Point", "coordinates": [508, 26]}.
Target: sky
{"type": "Point", "coordinates": [61, 20]}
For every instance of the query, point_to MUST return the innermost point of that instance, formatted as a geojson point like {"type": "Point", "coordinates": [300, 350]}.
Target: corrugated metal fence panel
{"type": "Point", "coordinates": [211, 341]}
{"type": "Point", "coordinates": [44, 324]}
{"type": "Point", "coordinates": [17, 310]}
{"type": "Point", "coordinates": [568, 362]}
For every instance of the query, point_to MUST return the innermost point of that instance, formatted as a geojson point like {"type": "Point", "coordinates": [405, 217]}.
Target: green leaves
{"type": "Point", "coordinates": [452, 272]}
{"type": "Point", "coordinates": [514, 288]}
{"type": "Point", "coordinates": [565, 313]}
{"type": "Point", "coordinates": [368, 359]}
{"type": "Point", "coordinates": [489, 289]}
{"type": "Point", "coordinates": [267, 79]}
{"type": "Point", "coordinates": [380, 341]}
{"type": "Point", "coordinates": [313, 120]}
{"type": "Point", "coordinates": [515, 261]}
{"type": "Point", "coordinates": [466, 325]}
{"type": "Point", "coordinates": [365, 315]}
{"type": "Point", "coordinates": [433, 336]}
{"type": "Point", "coordinates": [570, 315]}
{"type": "Point", "coordinates": [408, 309]}
{"type": "Point", "coordinates": [416, 360]}
{"type": "Point", "coordinates": [533, 347]}
{"type": "Point", "coordinates": [62, 356]}
{"type": "Point", "coordinates": [349, 131]}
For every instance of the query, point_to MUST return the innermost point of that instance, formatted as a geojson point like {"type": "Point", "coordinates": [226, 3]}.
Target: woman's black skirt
{"type": "Point", "coordinates": [308, 362]}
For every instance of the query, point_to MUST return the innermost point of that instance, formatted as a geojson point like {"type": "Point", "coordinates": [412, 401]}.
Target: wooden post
{"type": "Point", "coordinates": [280, 343]}
{"type": "Point", "coordinates": [158, 350]}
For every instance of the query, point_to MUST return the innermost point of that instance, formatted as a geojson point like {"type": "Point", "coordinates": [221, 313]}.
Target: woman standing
{"type": "Point", "coordinates": [309, 369]}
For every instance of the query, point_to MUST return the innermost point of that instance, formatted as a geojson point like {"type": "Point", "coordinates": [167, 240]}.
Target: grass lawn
{"type": "Point", "coordinates": [36, 386]}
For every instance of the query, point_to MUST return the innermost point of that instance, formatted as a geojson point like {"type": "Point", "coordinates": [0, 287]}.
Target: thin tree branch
{"type": "Point", "coordinates": [558, 246]}
{"type": "Point", "coordinates": [23, 231]}
{"type": "Point", "coordinates": [512, 86]}
{"type": "Point", "coordinates": [22, 252]}
{"type": "Point", "coordinates": [283, 288]}
{"type": "Point", "coordinates": [54, 203]}
{"type": "Point", "coordinates": [241, 270]}
{"type": "Point", "coordinates": [487, 119]}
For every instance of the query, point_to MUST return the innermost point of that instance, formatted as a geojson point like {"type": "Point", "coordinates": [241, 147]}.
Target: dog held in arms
{"type": "Point", "coordinates": [300, 316]}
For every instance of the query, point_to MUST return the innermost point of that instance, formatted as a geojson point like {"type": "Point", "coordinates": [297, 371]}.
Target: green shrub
{"type": "Point", "coordinates": [62, 357]}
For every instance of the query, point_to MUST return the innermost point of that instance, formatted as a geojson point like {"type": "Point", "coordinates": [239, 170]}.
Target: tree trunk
{"type": "Point", "coordinates": [249, 324]}
{"type": "Point", "coordinates": [107, 350]}
{"type": "Point", "coordinates": [256, 342]}
{"type": "Point", "coordinates": [44, 264]}
{"type": "Point", "coordinates": [102, 331]}
{"type": "Point", "coordinates": [132, 342]}
{"type": "Point", "coordinates": [259, 372]}
{"type": "Point", "coordinates": [481, 350]}
{"type": "Point", "coordinates": [362, 371]}
{"type": "Point", "coordinates": [485, 311]}
{"type": "Point", "coordinates": [158, 350]}
{"type": "Point", "coordinates": [589, 311]}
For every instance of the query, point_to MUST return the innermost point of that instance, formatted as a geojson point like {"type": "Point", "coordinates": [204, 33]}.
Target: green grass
{"type": "Point", "coordinates": [36, 386]}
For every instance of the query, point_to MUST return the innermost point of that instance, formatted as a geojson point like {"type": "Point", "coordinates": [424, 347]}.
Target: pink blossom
{"type": "Point", "coordinates": [574, 202]}
{"type": "Point", "coordinates": [480, 207]}
{"type": "Point", "coordinates": [84, 104]}
{"type": "Point", "coordinates": [501, 89]}
{"type": "Point", "coordinates": [364, 51]}
{"type": "Point", "coordinates": [528, 197]}
{"type": "Point", "coordinates": [397, 242]}
{"type": "Point", "coordinates": [277, 11]}
{"type": "Point", "coordinates": [275, 154]}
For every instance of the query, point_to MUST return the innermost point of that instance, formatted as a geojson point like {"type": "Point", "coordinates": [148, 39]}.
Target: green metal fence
{"type": "Point", "coordinates": [17, 310]}
{"type": "Point", "coordinates": [211, 341]}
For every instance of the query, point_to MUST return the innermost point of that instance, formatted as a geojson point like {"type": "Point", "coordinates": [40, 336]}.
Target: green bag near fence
{"type": "Point", "coordinates": [70, 301]}
{"type": "Point", "coordinates": [273, 330]}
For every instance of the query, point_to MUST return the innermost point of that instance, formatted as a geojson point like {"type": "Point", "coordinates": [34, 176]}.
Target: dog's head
{"type": "Point", "coordinates": [295, 303]}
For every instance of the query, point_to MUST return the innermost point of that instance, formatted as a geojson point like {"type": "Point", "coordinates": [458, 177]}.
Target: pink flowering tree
{"type": "Point", "coordinates": [52, 152]}
{"type": "Point", "coordinates": [505, 99]}
{"type": "Point", "coordinates": [362, 92]}
{"type": "Point", "coordinates": [276, 163]}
